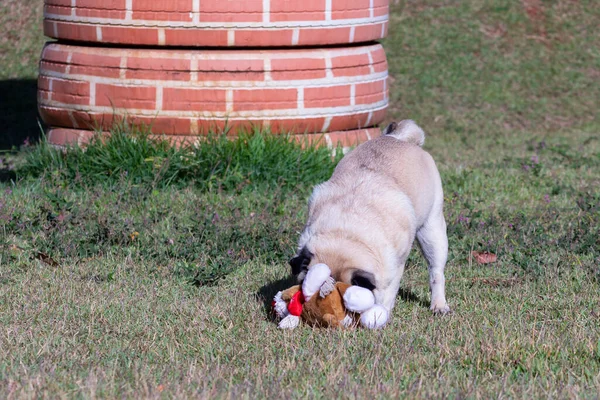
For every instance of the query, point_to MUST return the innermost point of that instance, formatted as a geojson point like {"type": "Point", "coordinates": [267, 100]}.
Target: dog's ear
{"type": "Point", "coordinates": [301, 261]}
{"type": "Point", "coordinates": [390, 128]}
{"type": "Point", "coordinates": [363, 279]}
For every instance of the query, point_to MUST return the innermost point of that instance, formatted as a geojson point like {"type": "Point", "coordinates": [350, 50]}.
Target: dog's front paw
{"type": "Point", "coordinates": [440, 309]}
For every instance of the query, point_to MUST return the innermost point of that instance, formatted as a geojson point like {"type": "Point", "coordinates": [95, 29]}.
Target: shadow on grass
{"type": "Point", "coordinates": [268, 291]}
{"type": "Point", "coordinates": [18, 112]}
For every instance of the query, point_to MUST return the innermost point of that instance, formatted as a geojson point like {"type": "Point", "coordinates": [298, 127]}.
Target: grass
{"type": "Point", "coordinates": [156, 284]}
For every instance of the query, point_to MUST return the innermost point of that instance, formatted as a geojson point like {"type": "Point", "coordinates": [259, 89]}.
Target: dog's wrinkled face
{"type": "Point", "coordinates": [342, 269]}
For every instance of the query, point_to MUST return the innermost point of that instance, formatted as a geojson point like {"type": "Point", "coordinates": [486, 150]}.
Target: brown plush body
{"type": "Point", "coordinates": [326, 312]}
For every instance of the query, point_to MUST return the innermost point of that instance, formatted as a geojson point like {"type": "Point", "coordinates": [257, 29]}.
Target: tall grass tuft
{"type": "Point", "coordinates": [252, 159]}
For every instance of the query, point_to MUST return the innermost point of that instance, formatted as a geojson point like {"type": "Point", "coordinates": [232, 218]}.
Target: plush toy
{"type": "Point", "coordinates": [323, 302]}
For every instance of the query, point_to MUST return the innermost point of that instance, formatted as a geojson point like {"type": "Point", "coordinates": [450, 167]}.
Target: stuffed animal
{"type": "Point", "coordinates": [323, 302]}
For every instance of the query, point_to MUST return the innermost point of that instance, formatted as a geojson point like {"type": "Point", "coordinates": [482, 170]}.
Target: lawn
{"type": "Point", "coordinates": [151, 277]}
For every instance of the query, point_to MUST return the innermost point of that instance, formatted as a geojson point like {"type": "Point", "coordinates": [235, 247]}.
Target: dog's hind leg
{"type": "Point", "coordinates": [434, 244]}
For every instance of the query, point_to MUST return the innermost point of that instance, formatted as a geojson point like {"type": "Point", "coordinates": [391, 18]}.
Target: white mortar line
{"type": "Point", "coordinates": [161, 37]}
{"type": "Point", "coordinates": [300, 98]}
{"type": "Point", "coordinates": [230, 38]}
{"type": "Point", "coordinates": [267, 68]}
{"type": "Point", "coordinates": [196, 11]}
{"type": "Point", "coordinates": [99, 33]}
{"type": "Point", "coordinates": [351, 39]}
{"type": "Point", "coordinates": [72, 118]}
{"type": "Point", "coordinates": [194, 69]}
{"type": "Point", "coordinates": [229, 100]}
{"type": "Point", "coordinates": [353, 95]}
{"type": "Point", "coordinates": [128, 10]}
{"type": "Point", "coordinates": [159, 98]}
{"type": "Point", "coordinates": [328, 66]}
{"type": "Point", "coordinates": [266, 10]}
{"type": "Point", "coordinates": [295, 36]}
{"type": "Point", "coordinates": [326, 125]}
{"type": "Point", "coordinates": [92, 94]}
{"type": "Point", "coordinates": [123, 68]}
{"type": "Point", "coordinates": [327, 10]}
{"type": "Point", "coordinates": [369, 119]}
{"type": "Point", "coordinates": [69, 59]}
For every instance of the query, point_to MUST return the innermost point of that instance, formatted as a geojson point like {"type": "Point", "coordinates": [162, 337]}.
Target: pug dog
{"type": "Point", "coordinates": [362, 222]}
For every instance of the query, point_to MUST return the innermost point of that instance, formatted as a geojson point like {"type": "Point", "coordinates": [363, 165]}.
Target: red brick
{"type": "Point", "coordinates": [323, 36]}
{"type": "Point", "coordinates": [60, 117]}
{"type": "Point", "coordinates": [353, 65]}
{"type": "Point", "coordinates": [378, 55]}
{"type": "Point", "coordinates": [57, 53]}
{"type": "Point", "coordinates": [95, 71]}
{"type": "Point", "coordinates": [250, 37]}
{"type": "Point", "coordinates": [104, 4]}
{"type": "Point", "coordinates": [62, 3]}
{"type": "Point", "coordinates": [332, 96]}
{"type": "Point", "coordinates": [306, 10]}
{"type": "Point", "coordinates": [70, 92]}
{"type": "Point", "coordinates": [348, 138]}
{"type": "Point", "coordinates": [83, 59]}
{"type": "Point", "coordinates": [99, 13]}
{"type": "Point", "coordinates": [351, 61]}
{"type": "Point", "coordinates": [156, 68]}
{"type": "Point", "coordinates": [163, 6]}
{"type": "Point", "coordinates": [228, 7]}
{"type": "Point", "coordinates": [162, 16]}
{"type": "Point", "coordinates": [76, 31]}
{"type": "Point", "coordinates": [265, 99]}
{"type": "Point", "coordinates": [124, 35]}
{"type": "Point", "coordinates": [51, 66]}
{"type": "Point", "coordinates": [158, 75]}
{"type": "Point", "coordinates": [346, 122]}
{"type": "Point", "coordinates": [130, 97]}
{"type": "Point", "coordinates": [381, 7]}
{"type": "Point", "coordinates": [297, 125]}
{"type": "Point", "coordinates": [192, 37]}
{"type": "Point", "coordinates": [215, 125]}
{"type": "Point", "coordinates": [298, 69]}
{"type": "Point", "coordinates": [164, 125]}
{"type": "Point", "coordinates": [249, 16]}
{"type": "Point", "coordinates": [378, 117]}
{"type": "Point", "coordinates": [350, 9]}
{"type": "Point", "coordinates": [367, 32]}
{"type": "Point", "coordinates": [369, 93]}
{"type": "Point", "coordinates": [57, 10]}
{"type": "Point", "coordinates": [177, 99]}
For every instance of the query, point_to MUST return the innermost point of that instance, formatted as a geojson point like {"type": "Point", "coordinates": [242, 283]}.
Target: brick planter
{"type": "Point", "coordinates": [217, 23]}
{"type": "Point", "coordinates": [228, 78]}
{"type": "Point", "coordinates": [190, 92]}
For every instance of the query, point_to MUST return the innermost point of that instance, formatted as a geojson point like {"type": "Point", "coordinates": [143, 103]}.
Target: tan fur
{"type": "Point", "coordinates": [328, 311]}
{"type": "Point", "coordinates": [366, 216]}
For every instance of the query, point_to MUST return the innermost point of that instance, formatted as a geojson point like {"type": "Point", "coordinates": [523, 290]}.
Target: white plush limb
{"type": "Point", "coordinates": [375, 317]}
{"type": "Point", "coordinates": [327, 287]}
{"type": "Point", "coordinates": [358, 299]}
{"type": "Point", "coordinates": [289, 322]}
{"type": "Point", "coordinates": [280, 306]}
{"type": "Point", "coordinates": [347, 321]}
{"type": "Point", "coordinates": [316, 275]}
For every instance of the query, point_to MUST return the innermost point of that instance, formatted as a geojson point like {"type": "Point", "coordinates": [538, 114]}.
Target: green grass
{"type": "Point", "coordinates": [156, 282]}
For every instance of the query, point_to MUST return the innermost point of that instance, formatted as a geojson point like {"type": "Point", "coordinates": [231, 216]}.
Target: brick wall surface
{"type": "Point", "coordinates": [188, 92]}
{"type": "Point", "coordinates": [217, 23]}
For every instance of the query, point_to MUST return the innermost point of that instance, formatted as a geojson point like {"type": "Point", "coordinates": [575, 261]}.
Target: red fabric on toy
{"type": "Point", "coordinates": [295, 306]}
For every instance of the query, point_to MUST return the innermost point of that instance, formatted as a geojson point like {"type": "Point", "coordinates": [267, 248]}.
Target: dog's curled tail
{"type": "Point", "coordinates": [407, 131]}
